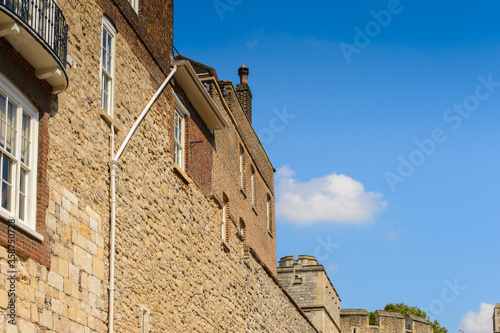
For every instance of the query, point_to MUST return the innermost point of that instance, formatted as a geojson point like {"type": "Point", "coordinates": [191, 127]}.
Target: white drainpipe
{"type": "Point", "coordinates": [113, 166]}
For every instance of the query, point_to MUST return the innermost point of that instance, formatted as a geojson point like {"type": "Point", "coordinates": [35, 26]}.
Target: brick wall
{"type": "Point", "coordinates": [199, 146]}
{"type": "Point", "coordinates": [22, 75]}
{"type": "Point", "coordinates": [227, 177]}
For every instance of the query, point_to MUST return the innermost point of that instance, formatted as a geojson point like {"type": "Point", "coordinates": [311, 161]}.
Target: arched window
{"type": "Point", "coordinates": [18, 155]}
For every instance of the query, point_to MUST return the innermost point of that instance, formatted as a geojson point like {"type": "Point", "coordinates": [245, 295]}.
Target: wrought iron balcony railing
{"type": "Point", "coordinates": [44, 18]}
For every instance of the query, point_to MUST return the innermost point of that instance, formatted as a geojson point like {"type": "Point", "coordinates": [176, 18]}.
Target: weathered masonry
{"type": "Point", "coordinates": [195, 242]}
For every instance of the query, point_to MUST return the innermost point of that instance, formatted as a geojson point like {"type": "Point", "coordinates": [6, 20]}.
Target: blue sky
{"type": "Point", "coordinates": [392, 220]}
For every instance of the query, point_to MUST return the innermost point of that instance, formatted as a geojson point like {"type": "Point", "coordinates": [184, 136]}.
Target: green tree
{"type": "Point", "coordinates": [371, 318]}
{"type": "Point", "coordinates": [406, 309]}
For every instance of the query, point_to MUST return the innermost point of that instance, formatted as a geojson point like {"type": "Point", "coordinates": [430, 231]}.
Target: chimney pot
{"type": "Point", "coordinates": [243, 72]}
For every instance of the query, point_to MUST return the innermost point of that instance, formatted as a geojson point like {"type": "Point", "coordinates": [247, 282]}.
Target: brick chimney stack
{"type": "Point", "coordinates": [244, 93]}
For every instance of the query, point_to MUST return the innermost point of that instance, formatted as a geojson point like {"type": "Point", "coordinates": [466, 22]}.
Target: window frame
{"type": "Point", "coordinates": [269, 215]}
{"type": "Point", "coordinates": [183, 113]}
{"type": "Point", "coordinates": [135, 5]}
{"type": "Point", "coordinates": [254, 190]}
{"type": "Point", "coordinates": [23, 106]}
{"type": "Point", "coordinates": [110, 29]}
{"type": "Point", "coordinates": [242, 169]}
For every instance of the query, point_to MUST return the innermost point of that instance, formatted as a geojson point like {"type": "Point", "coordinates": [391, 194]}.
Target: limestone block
{"type": "Point", "coordinates": [83, 259]}
{"type": "Point", "coordinates": [95, 285]}
{"type": "Point", "coordinates": [46, 319]}
{"type": "Point", "coordinates": [98, 268]}
{"type": "Point", "coordinates": [63, 268]}
{"type": "Point", "coordinates": [26, 326]}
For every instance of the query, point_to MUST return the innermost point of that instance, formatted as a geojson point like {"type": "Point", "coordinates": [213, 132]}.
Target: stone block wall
{"type": "Point", "coordinates": [357, 321]}
{"type": "Point", "coordinates": [70, 296]}
{"type": "Point", "coordinates": [308, 284]}
{"type": "Point", "coordinates": [418, 324]}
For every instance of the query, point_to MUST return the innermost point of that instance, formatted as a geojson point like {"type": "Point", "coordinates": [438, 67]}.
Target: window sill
{"type": "Point", "coordinates": [181, 173]}
{"type": "Point", "coordinates": [109, 120]}
{"type": "Point", "coordinates": [255, 210]}
{"type": "Point", "coordinates": [244, 193]}
{"type": "Point", "coordinates": [225, 246]}
{"type": "Point", "coordinates": [270, 233]}
{"type": "Point", "coordinates": [21, 226]}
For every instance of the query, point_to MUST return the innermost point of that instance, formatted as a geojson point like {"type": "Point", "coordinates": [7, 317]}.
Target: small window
{"type": "Point", "coordinates": [269, 214]}
{"type": "Point", "coordinates": [107, 65]}
{"type": "Point", "coordinates": [354, 330]}
{"type": "Point", "coordinates": [18, 155]}
{"type": "Point", "coordinates": [254, 192]}
{"type": "Point", "coordinates": [241, 231]}
{"type": "Point", "coordinates": [242, 169]}
{"type": "Point", "coordinates": [225, 219]}
{"type": "Point", "coordinates": [179, 139]}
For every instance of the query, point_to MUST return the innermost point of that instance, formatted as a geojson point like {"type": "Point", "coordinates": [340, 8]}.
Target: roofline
{"type": "Point", "coordinates": [198, 96]}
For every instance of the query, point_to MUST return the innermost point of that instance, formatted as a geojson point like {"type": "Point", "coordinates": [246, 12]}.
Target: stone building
{"type": "Point", "coordinates": [496, 319]}
{"type": "Point", "coordinates": [357, 321]}
{"type": "Point", "coordinates": [168, 230]}
{"type": "Point", "coordinates": [308, 284]}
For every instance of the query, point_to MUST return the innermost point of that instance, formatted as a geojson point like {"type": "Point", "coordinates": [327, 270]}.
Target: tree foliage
{"type": "Point", "coordinates": [371, 318]}
{"type": "Point", "coordinates": [406, 309]}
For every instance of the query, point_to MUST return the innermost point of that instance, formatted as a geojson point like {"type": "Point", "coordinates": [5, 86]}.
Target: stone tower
{"type": "Point", "coordinates": [308, 284]}
{"type": "Point", "coordinates": [496, 319]}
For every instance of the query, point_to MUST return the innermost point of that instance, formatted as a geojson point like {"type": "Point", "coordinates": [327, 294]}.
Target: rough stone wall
{"type": "Point", "coordinates": [390, 322]}
{"type": "Point", "coordinates": [354, 318]}
{"type": "Point", "coordinates": [418, 324]}
{"type": "Point", "coordinates": [168, 254]}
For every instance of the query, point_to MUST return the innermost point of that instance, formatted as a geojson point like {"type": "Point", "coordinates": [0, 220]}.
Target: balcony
{"type": "Point", "coordinates": [37, 30]}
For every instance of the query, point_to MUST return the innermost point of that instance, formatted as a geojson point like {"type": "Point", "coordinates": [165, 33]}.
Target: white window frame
{"type": "Point", "coordinates": [135, 5]}
{"type": "Point", "coordinates": [183, 113]}
{"type": "Point", "coordinates": [110, 29]}
{"type": "Point", "coordinates": [269, 216]}
{"type": "Point", "coordinates": [224, 220]}
{"type": "Point", "coordinates": [13, 94]}
{"type": "Point", "coordinates": [254, 193]}
{"type": "Point", "coordinates": [242, 168]}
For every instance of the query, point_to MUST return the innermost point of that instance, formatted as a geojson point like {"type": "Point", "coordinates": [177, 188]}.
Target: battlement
{"type": "Point", "coordinates": [357, 321]}
{"type": "Point", "coordinates": [303, 260]}
{"type": "Point", "coordinates": [308, 284]}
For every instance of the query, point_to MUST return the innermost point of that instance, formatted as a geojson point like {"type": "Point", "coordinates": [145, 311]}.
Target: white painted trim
{"type": "Point", "coordinates": [181, 106]}
{"type": "Point", "coordinates": [106, 24]}
{"type": "Point", "coordinates": [24, 105]}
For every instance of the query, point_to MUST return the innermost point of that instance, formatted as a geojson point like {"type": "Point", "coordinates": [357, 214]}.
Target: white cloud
{"type": "Point", "coordinates": [332, 198]}
{"type": "Point", "coordinates": [478, 322]}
